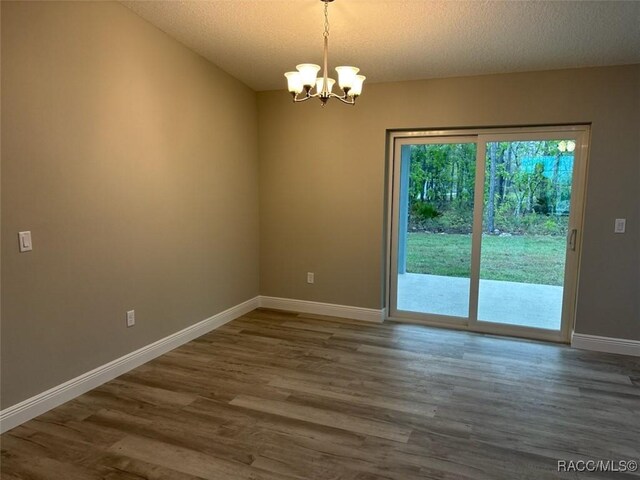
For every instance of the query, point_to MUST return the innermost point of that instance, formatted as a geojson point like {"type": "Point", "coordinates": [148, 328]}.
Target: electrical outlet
{"type": "Point", "coordinates": [310, 277]}
{"type": "Point", "coordinates": [131, 318]}
{"type": "Point", "coordinates": [620, 225]}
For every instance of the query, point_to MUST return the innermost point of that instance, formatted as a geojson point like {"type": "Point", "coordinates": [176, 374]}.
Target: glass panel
{"type": "Point", "coordinates": [527, 194]}
{"type": "Point", "coordinates": [435, 222]}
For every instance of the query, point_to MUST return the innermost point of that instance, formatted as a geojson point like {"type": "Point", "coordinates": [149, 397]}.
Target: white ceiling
{"type": "Point", "coordinates": [258, 40]}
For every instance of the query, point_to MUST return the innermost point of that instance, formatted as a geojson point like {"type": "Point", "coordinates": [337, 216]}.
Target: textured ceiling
{"type": "Point", "coordinates": [258, 40]}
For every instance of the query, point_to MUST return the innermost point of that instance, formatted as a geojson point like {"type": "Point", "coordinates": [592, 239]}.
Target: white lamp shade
{"type": "Point", "coordinates": [356, 89]}
{"type": "Point", "coordinates": [346, 76]}
{"type": "Point", "coordinates": [330, 83]}
{"type": "Point", "coordinates": [308, 73]}
{"type": "Point", "coordinates": [294, 82]}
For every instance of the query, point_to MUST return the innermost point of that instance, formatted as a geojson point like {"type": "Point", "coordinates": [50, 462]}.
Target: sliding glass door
{"type": "Point", "coordinates": [484, 229]}
{"type": "Point", "coordinates": [437, 181]}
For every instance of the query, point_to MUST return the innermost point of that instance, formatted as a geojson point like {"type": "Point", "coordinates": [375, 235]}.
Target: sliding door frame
{"type": "Point", "coordinates": [395, 211]}
{"type": "Point", "coordinates": [579, 133]}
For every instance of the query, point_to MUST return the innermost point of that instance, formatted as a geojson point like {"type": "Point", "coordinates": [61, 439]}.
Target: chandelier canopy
{"type": "Point", "coordinates": [305, 79]}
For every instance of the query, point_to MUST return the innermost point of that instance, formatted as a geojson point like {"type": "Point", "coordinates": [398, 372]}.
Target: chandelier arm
{"type": "Point", "coordinates": [308, 96]}
{"type": "Point", "coordinates": [352, 100]}
{"type": "Point", "coordinates": [343, 98]}
{"type": "Point", "coordinates": [303, 99]}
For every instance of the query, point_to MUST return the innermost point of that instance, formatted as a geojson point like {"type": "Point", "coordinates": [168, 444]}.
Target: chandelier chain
{"type": "Point", "coordinates": [326, 19]}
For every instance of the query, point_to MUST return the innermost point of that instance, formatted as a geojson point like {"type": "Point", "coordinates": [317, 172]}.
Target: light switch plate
{"type": "Point", "coordinates": [131, 318]}
{"type": "Point", "coordinates": [620, 226]}
{"type": "Point", "coordinates": [24, 239]}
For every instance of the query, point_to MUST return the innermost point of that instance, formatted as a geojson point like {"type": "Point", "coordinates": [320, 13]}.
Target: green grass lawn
{"type": "Point", "coordinates": [519, 258]}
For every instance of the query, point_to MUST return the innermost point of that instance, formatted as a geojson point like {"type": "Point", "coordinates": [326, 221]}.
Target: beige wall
{"type": "Point", "coordinates": [133, 161]}
{"type": "Point", "coordinates": [322, 181]}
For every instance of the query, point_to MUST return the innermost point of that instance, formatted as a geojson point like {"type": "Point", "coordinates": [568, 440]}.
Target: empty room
{"type": "Point", "coordinates": [320, 240]}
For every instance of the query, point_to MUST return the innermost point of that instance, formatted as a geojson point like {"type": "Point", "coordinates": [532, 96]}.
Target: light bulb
{"type": "Point", "coordinates": [356, 89]}
{"type": "Point", "coordinates": [308, 73]}
{"type": "Point", "coordinates": [320, 81]}
{"type": "Point", "coordinates": [294, 82]}
{"type": "Point", "coordinates": [346, 76]}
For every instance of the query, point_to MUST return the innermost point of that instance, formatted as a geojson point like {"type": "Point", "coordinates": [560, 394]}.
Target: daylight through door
{"type": "Point", "coordinates": [485, 229]}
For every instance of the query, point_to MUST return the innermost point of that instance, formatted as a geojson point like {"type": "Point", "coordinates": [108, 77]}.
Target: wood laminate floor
{"type": "Point", "coordinates": [278, 396]}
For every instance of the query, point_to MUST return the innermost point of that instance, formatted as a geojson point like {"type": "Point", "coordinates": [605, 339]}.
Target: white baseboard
{"type": "Point", "coordinates": [37, 405]}
{"type": "Point", "coordinates": [606, 344]}
{"type": "Point", "coordinates": [328, 309]}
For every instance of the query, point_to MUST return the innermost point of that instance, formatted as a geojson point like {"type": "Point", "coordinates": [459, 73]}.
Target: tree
{"type": "Point", "coordinates": [491, 200]}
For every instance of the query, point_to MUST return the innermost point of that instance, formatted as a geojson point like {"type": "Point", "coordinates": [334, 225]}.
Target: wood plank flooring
{"type": "Point", "coordinates": [279, 396]}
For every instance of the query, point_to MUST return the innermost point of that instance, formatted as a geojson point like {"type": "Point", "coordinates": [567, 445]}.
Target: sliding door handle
{"type": "Point", "coordinates": [572, 239]}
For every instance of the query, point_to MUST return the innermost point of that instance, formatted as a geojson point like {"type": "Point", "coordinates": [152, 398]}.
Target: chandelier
{"type": "Point", "coordinates": [305, 79]}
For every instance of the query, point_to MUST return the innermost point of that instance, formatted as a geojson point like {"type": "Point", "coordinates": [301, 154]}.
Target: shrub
{"type": "Point", "coordinates": [459, 219]}
{"type": "Point", "coordinates": [424, 211]}
{"type": "Point", "coordinates": [453, 220]}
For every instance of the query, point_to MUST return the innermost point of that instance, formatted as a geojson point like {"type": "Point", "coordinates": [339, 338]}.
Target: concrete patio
{"type": "Point", "coordinates": [524, 304]}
